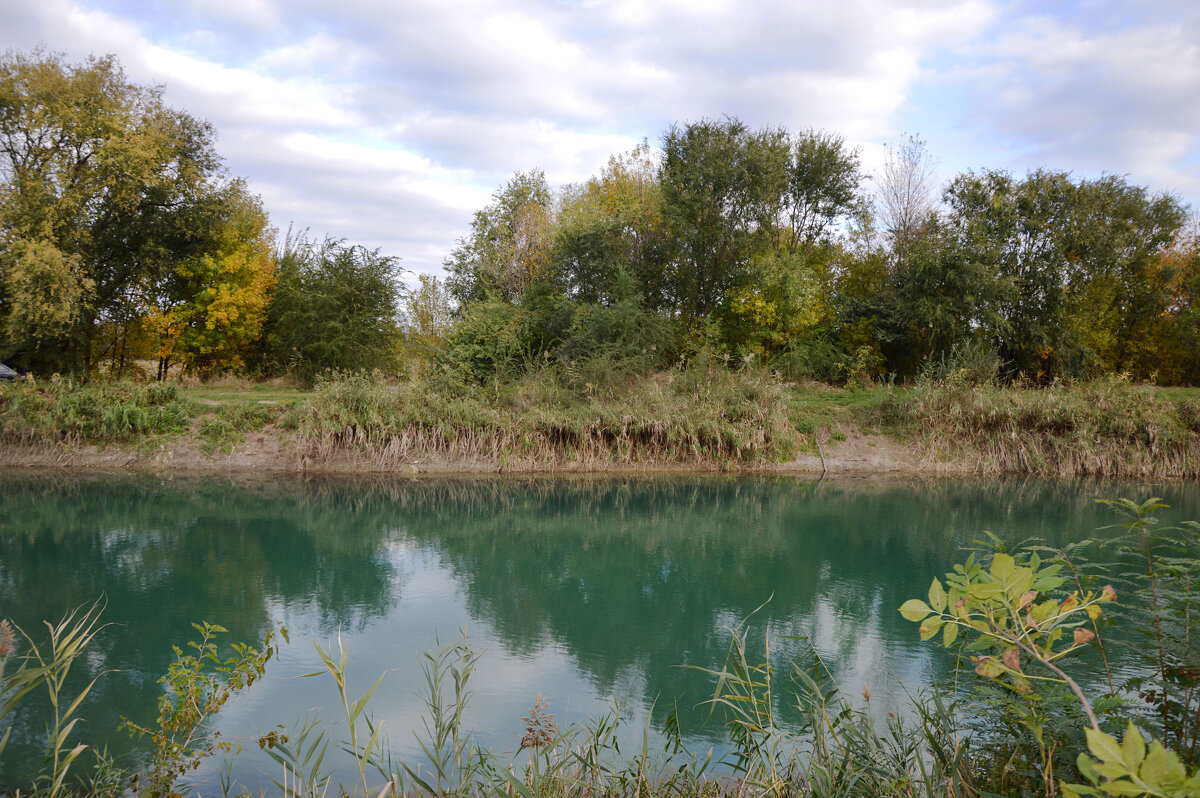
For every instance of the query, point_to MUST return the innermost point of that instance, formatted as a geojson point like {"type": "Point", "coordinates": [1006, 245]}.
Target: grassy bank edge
{"type": "Point", "coordinates": [710, 420]}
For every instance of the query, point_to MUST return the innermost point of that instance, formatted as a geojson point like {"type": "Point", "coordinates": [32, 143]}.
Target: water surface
{"type": "Point", "coordinates": [588, 591]}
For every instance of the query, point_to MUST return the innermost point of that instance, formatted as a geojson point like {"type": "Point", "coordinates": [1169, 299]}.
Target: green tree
{"type": "Point", "coordinates": [824, 183]}
{"type": "Point", "coordinates": [101, 186]}
{"type": "Point", "coordinates": [1072, 257]}
{"type": "Point", "coordinates": [722, 186]}
{"type": "Point", "coordinates": [509, 244]}
{"type": "Point", "coordinates": [612, 241]}
{"type": "Point", "coordinates": [336, 306]}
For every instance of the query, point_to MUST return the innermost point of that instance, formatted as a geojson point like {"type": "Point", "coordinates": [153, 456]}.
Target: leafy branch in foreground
{"type": "Point", "coordinates": [1128, 768]}
{"type": "Point", "coordinates": [1163, 564]}
{"type": "Point", "coordinates": [1008, 611]}
{"type": "Point", "coordinates": [197, 686]}
{"type": "Point", "coordinates": [1000, 605]}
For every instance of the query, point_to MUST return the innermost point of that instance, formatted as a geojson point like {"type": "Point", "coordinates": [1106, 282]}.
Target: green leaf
{"type": "Point", "coordinates": [1160, 766]}
{"type": "Point", "coordinates": [949, 634]}
{"type": "Point", "coordinates": [1002, 566]}
{"type": "Point", "coordinates": [937, 596]}
{"type": "Point", "coordinates": [1087, 767]}
{"type": "Point", "coordinates": [915, 610]}
{"type": "Point", "coordinates": [1103, 747]}
{"type": "Point", "coordinates": [1133, 747]}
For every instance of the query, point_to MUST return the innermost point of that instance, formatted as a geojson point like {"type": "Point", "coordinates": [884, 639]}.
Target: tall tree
{"type": "Point", "coordinates": [906, 193]}
{"type": "Point", "coordinates": [823, 186]}
{"type": "Point", "coordinates": [509, 245]}
{"type": "Point", "coordinates": [611, 235]}
{"type": "Point", "coordinates": [102, 188]}
{"type": "Point", "coordinates": [209, 308]}
{"type": "Point", "coordinates": [1071, 257]}
{"type": "Point", "coordinates": [722, 186]}
{"type": "Point", "coordinates": [428, 313]}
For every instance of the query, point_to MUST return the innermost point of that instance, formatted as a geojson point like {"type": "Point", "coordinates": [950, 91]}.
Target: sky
{"type": "Point", "coordinates": [389, 122]}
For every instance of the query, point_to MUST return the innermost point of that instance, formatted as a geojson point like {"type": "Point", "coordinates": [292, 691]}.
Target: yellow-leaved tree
{"type": "Point", "coordinates": [213, 306]}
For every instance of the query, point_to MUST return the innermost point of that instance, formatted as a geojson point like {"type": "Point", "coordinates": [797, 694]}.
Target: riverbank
{"type": "Point", "coordinates": [671, 421]}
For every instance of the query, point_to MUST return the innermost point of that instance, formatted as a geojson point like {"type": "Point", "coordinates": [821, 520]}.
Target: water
{"type": "Point", "coordinates": [588, 591]}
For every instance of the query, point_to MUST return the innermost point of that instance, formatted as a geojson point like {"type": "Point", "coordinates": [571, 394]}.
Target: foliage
{"type": "Point", "coordinates": [1014, 611]}
{"type": "Point", "coordinates": [721, 184]}
{"type": "Point", "coordinates": [428, 317]}
{"type": "Point", "coordinates": [509, 244]}
{"type": "Point", "coordinates": [212, 307]}
{"type": "Point", "coordinates": [122, 240]}
{"type": "Point", "coordinates": [44, 293]}
{"type": "Point", "coordinates": [1128, 768]}
{"type": "Point", "coordinates": [999, 609]}
{"type": "Point", "coordinates": [335, 307]}
{"type": "Point", "coordinates": [1070, 257]}
{"type": "Point", "coordinates": [1160, 563]}
{"type": "Point", "coordinates": [196, 686]}
{"type": "Point", "coordinates": [612, 242]}
{"type": "Point", "coordinates": [103, 190]}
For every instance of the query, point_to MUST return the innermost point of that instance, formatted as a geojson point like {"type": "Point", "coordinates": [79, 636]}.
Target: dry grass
{"type": "Point", "coordinates": [1105, 428]}
{"type": "Point", "coordinates": [708, 419]}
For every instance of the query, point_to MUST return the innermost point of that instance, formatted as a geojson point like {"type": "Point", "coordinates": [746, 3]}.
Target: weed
{"type": "Point", "coordinates": [197, 686]}
{"type": "Point", "coordinates": [228, 426]}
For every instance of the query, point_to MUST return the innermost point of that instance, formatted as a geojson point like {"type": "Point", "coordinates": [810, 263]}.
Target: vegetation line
{"type": "Point", "coordinates": [697, 416]}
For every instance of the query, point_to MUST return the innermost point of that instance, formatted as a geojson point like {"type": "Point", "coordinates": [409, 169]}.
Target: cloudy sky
{"type": "Point", "coordinates": [387, 122]}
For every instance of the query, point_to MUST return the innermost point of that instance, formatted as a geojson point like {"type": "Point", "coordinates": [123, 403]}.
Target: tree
{"type": "Point", "coordinates": [43, 294]}
{"type": "Point", "coordinates": [1169, 350]}
{"type": "Point", "coordinates": [823, 186]}
{"type": "Point", "coordinates": [509, 245]}
{"type": "Point", "coordinates": [905, 193]}
{"type": "Point", "coordinates": [722, 187]}
{"type": "Point", "coordinates": [212, 306]}
{"type": "Point", "coordinates": [336, 306]}
{"type": "Point", "coordinates": [611, 234]}
{"type": "Point", "coordinates": [109, 187]}
{"type": "Point", "coordinates": [428, 315]}
{"type": "Point", "coordinates": [1071, 258]}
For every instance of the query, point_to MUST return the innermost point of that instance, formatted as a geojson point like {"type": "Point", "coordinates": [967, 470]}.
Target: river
{"type": "Point", "coordinates": [588, 591]}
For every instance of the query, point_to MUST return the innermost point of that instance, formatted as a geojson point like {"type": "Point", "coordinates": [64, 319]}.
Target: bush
{"type": "Point", "coordinates": [60, 410]}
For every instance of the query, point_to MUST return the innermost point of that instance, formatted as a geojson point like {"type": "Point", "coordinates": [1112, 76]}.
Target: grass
{"type": "Point", "coordinates": [62, 412]}
{"type": "Point", "coordinates": [700, 416]}
{"type": "Point", "coordinates": [838, 749]}
{"type": "Point", "coordinates": [226, 427]}
{"type": "Point", "coordinates": [260, 394]}
{"type": "Point", "coordinates": [693, 417]}
{"type": "Point", "coordinates": [1105, 428]}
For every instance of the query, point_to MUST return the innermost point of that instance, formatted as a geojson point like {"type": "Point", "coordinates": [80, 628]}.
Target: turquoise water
{"type": "Point", "coordinates": [588, 591]}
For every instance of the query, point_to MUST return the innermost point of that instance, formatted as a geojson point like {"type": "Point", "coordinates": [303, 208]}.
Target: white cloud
{"type": "Point", "coordinates": [1119, 101]}
{"type": "Point", "coordinates": [390, 123]}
